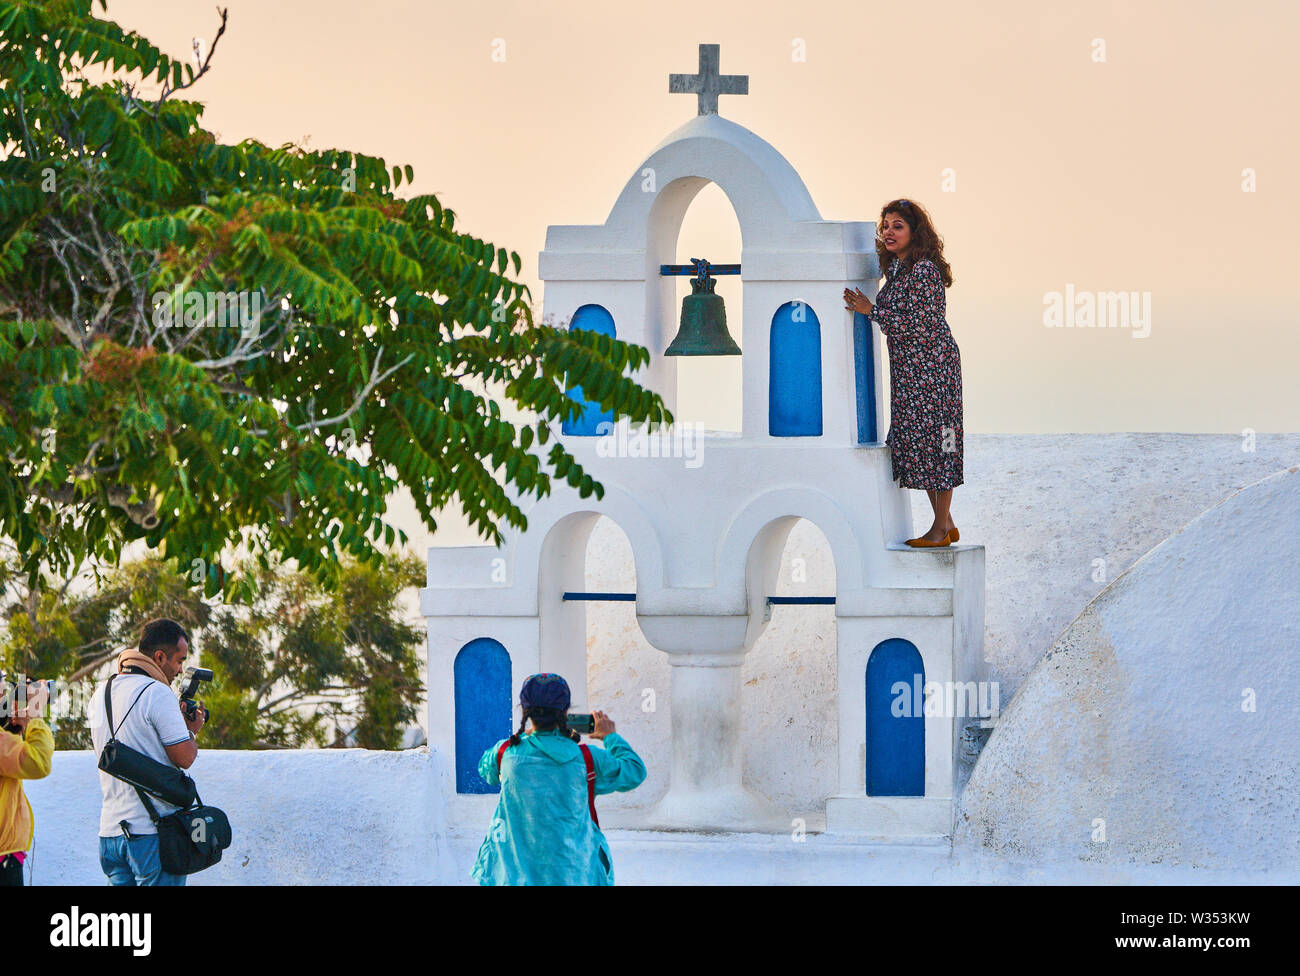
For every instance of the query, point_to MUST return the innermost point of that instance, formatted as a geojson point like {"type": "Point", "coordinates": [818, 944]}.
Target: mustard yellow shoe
{"type": "Point", "coordinates": [921, 543]}
{"type": "Point", "coordinates": [955, 534]}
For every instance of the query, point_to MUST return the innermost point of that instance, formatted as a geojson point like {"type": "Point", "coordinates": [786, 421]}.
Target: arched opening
{"type": "Point", "coordinates": [481, 683]}
{"type": "Point", "coordinates": [789, 677]}
{"type": "Point", "coordinates": [794, 397]}
{"type": "Point", "coordinates": [709, 388]}
{"type": "Point", "coordinates": [594, 640]}
{"type": "Point", "coordinates": [626, 676]}
{"type": "Point", "coordinates": [895, 748]}
{"type": "Point", "coordinates": [591, 318]}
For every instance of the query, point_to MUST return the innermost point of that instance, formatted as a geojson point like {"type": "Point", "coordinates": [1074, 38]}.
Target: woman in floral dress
{"type": "Point", "coordinates": [925, 417]}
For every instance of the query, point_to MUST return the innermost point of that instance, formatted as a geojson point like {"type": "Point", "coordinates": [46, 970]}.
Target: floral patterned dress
{"type": "Point", "coordinates": [925, 416]}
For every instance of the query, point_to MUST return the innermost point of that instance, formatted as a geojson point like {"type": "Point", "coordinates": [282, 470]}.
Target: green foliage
{"type": "Point", "coordinates": [53, 629]}
{"type": "Point", "coordinates": [383, 333]}
{"type": "Point", "coordinates": [300, 665]}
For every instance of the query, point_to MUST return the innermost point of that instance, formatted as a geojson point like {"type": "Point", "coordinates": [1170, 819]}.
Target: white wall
{"type": "Point", "coordinates": [1167, 713]}
{"type": "Point", "coordinates": [378, 820]}
{"type": "Point", "coordinates": [312, 816]}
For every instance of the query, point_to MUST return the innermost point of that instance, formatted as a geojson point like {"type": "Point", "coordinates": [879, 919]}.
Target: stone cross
{"type": "Point", "coordinates": [708, 84]}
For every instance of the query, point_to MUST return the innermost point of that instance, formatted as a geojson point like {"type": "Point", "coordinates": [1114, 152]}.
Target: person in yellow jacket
{"type": "Point", "coordinates": [26, 749]}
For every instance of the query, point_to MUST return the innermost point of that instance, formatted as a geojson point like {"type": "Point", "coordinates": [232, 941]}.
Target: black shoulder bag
{"type": "Point", "coordinates": [190, 839]}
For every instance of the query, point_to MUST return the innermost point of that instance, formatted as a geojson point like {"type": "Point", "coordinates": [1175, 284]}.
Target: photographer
{"type": "Point", "coordinates": [26, 749]}
{"type": "Point", "coordinates": [147, 717]}
{"type": "Point", "coordinates": [544, 830]}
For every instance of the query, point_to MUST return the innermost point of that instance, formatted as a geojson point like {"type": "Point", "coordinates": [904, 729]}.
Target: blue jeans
{"type": "Point", "coordinates": [134, 861]}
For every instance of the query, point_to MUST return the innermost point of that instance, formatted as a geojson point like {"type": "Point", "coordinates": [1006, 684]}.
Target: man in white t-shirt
{"type": "Point", "coordinates": [147, 717]}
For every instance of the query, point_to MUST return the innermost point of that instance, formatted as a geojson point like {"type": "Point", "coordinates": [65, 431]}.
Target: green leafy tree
{"type": "Point", "coordinates": [301, 665]}
{"type": "Point", "coordinates": [306, 664]}
{"type": "Point", "coordinates": [204, 345]}
{"type": "Point", "coordinates": [70, 628]}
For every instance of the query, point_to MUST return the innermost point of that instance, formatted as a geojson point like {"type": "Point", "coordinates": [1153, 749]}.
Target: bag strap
{"type": "Point", "coordinates": [144, 798]}
{"type": "Point", "coordinates": [108, 706]}
{"type": "Point", "coordinates": [591, 782]}
{"type": "Point", "coordinates": [591, 775]}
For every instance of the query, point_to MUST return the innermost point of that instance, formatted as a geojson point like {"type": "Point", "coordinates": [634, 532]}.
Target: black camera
{"type": "Point", "coordinates": [193, 678]}
{"type": "Point", "coordinates": [582, 722]}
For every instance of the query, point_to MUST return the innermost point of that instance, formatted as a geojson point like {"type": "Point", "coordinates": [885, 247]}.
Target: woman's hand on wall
{"type": "Point", "coordinates": [604, 725]}
{"type": "Point", "coordinates": [855, 301]}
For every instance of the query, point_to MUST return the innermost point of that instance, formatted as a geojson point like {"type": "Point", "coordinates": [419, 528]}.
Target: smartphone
{"type": "Point", "coordinates": [582, 722]}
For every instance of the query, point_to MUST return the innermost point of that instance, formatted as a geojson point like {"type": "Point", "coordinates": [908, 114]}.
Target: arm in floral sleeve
{"type": "Point", "coordinates": [916, 305]}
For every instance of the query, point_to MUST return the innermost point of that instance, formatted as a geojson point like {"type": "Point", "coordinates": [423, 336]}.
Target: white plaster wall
{"type": "Point", "coordinates": [1047, 506]}
{"type": "Point", "coordinates": [1169, 711]}
{"type": "Point", "coordinates": [377, 819]}
{"type": "Point", "coordinates": [311, 816]}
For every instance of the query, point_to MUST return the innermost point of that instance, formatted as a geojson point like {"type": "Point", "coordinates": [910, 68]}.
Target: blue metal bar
{"type": "Point", "coordinates": [689, 269]}
{"type": "Point", "coordinates": [631, 598]}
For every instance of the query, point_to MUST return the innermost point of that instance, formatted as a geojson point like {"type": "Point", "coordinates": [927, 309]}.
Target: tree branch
{"type": "Point", "coordinates": [168, 90]}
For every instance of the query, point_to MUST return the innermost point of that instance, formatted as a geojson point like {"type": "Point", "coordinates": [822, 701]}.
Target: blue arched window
{"type": "Point", "coordinates": [895, 720]}
{"type": "Point", "coordinates": [794, 405]}
{"type": "Point", "coordinates": [481, 679]}
{"type": "Point", "coordinates": [592, 318]}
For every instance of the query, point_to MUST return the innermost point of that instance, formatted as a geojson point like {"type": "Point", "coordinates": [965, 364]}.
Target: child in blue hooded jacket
{"type": "Point", "coordinates": [544, 830]}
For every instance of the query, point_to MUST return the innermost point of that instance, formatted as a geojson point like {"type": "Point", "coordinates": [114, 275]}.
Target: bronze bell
{"type": "Point", "coordinates": [703, 330]}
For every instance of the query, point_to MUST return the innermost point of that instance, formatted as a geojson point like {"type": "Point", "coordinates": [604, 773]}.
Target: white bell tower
{"type": "Point", "coordinates": [707, 540]}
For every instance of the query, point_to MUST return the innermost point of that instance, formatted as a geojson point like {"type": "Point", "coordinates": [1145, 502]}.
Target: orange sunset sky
{"type": "Point", "coordinates": [1115, 173]}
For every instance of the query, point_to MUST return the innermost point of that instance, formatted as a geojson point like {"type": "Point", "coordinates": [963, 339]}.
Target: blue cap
{"type": "Point", "coordinates": [545, 690]}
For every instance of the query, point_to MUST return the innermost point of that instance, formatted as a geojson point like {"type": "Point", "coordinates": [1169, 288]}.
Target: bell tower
{"type": "Point", "coordinates": [707, 537]}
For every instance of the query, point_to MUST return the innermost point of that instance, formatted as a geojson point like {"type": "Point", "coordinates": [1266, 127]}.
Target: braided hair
{"type": "Point", "coordinates": [545, 720]}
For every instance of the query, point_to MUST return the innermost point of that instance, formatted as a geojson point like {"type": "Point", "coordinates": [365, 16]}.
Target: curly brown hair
{"type": "Point", "coordinates": [926, 243]}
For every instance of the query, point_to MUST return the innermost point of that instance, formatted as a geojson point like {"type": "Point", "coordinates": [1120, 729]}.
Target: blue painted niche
{"type": "Point", "coordinates": [794, 389]}
{"type": "Point", "coordinates": [481, 679]}
{"type": "Point", "coordinates": [593, 318]}
{"type": "Point", "coordinates": [864, 369]}
{"type": "Point", "coordinates": [895, 720]}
